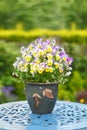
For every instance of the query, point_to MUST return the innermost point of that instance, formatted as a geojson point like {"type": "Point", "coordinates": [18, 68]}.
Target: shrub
{"type": "Point", "coordinates": [79, 36]}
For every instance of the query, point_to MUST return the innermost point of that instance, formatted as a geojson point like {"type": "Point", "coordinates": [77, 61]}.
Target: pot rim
{"type": "Point", "coordinates": [42, 83]}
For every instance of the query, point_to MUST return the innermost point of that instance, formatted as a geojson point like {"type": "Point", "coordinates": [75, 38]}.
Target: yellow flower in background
{"type": "Point", "coordinates": [82, 100]}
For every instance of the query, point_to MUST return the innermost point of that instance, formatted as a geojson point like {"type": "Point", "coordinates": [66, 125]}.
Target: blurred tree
{"type": "Point", "coordinates": [75, 12]}
{"type": "Point", "coordinates": [53, 14]}
{"type": "Point", "coordinates": [7, 13]}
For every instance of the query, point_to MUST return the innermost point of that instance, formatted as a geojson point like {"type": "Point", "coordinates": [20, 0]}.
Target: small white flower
{"type": "Point", "coordinates": [62, 49]}
{"type": "Point", "coordinates": [70, 68]}
{"type": "Point", "coordinates": [15, 74]}
{"type": "Point", "coordinates": [23, 50]}
{"type": "Point", "coordinates": [68, 73]}
{"type": "Point", "coordinates": [15, 64]}
{"type": "Point", "coordinates": [18, 58]}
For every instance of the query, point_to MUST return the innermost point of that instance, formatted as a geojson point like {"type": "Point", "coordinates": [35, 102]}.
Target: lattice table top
{"type": "Point", "coordinates": [65, 116]}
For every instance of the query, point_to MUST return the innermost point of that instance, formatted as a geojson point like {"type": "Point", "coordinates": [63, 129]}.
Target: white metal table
{"type": "Point", "coordinates": [65, 116]}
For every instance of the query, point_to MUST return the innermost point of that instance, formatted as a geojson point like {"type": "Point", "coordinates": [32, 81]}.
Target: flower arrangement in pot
{"type": "Point", "coordinates": [42, 66]}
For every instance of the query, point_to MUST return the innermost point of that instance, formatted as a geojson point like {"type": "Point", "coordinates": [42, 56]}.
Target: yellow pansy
{"type": "Point", "coordinates": [37, 61]}
{"type": "Point", "coordinates": [36, 66]}
{"type": "Point", "coordinates": [44, 51]}
{"type": "Point", "coordinates": [49, 56]}
{"type": "Point", "coordinates": [50, 69]}
{"type": "Point", "coordinates": [40, 70]}
{"type": "Point", "coordinates": [47, 69]}
{"type": "Point", "coordinates": [39, 46]}
{"type": "Point", "coordinates": [34, 53]}
{"type": "Point", "coordinates": [32, 67]}
{"type": "Point", "coordinates": [23, 67]}
{"type": "Point", "coordinates": [20, 65]}
{"type": "Point", "coordinates": [49, 48]}
{"type": "Point", "coordinates": [32, 70]}
{"type": "Point", "coordinates": [49, 62]}
{"type": "Point", "coordinates": [27, 58]}
{"type": "Point", "coordinates": [57, 57]}
{"type": "Point", "coordinates": [30, 47]}
{"type": "Point", "coordinates": [40, 53]}
{"type": "Point", "coordinates": [56, 65]}
{"type": "Point", "coordinates": [61, 70]}
{"type": "Point", "coordinates": [64, 58]}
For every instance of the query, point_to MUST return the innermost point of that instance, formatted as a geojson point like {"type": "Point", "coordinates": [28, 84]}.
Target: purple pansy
{"type": "Point", "coordinates": [69, 60]}
{"type": "Point", "coordinates": [62, 54]}
{"type": "Point", "coordinates": [47, 41]}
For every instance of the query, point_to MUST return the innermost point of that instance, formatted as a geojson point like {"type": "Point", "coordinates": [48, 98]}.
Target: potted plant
{"type": "Point", "coordinates": [42, 66]}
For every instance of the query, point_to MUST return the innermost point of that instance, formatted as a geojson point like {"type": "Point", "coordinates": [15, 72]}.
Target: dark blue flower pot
{"type": "Point", "coordinates": [41, 97]}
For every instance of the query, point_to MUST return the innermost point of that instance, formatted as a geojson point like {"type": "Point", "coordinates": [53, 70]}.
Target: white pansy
{"type": "Point", "coordinates": [18, 58]}
{"type": "Point", "coordinates": [15, 64]}
{"type": "Point", "coordinates": [61, 65]}
{"type": "Point", "coordinates": [68, 73]}
{"type": "Point", "coordinates": [62, 49]}
{"type": "Point", "coordinates": [23, 50]}
{"type": "Point", "coordinates": [23, 69]}
{"type": "Point", "coordinates": [70, 68]}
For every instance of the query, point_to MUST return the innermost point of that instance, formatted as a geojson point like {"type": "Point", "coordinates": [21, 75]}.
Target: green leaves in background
{"type": "Point", "coordinates": [52, 14]}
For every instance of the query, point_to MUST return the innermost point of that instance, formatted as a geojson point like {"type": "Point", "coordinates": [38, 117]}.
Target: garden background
{"type": "Point", "coordinates": [22, 21]}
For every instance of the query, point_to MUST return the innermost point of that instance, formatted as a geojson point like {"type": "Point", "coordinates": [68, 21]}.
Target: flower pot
{"type": "Point", "coordinates": [41, 97]}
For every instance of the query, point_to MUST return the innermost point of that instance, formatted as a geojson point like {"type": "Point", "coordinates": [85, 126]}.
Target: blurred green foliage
{"type": "Point", "coordinates": [8, 53]}
{"type": "Point", "coordinates": [52, 14]}
{"type": "Point", "coordinates": [77, 81]}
